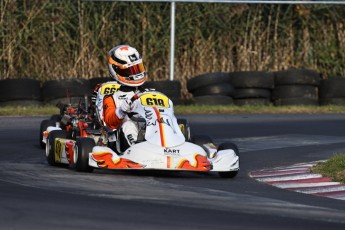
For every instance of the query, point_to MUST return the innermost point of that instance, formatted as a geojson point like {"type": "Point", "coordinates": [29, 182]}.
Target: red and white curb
{"type": "Point", "coordinates": [299, 178]}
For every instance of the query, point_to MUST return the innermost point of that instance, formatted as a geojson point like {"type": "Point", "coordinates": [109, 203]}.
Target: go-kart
{"type": "Point", "coordinates": [163, 144]}
{"type": "Point", "coordinates": [70, 118]}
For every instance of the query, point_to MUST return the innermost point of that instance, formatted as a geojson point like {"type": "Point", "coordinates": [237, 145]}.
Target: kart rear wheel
{"type": "Point", "coordinates": [229, 145]}
{"type": "Point", "coordinates": [75, 133]}
{"type": "Point", "coordinates": [51, 146]}
{"type": "Point", "coordinates": [83, 147]}
{"type": "Point", "coordinates": [185, 128]}
{"type": "Point", "coordinates": [55, 118]}
{"type": "Point", "coordinates": [43, 127]}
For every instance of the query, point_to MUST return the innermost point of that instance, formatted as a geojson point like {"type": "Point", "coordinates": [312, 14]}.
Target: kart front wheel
{"type": "Point", "coordinates": [83, 147]}
{"type": "Point", "coordinates": [201, 140]}
{"type": "Point", "coordinates": [52, 148]}
{"type": "Point", "coordinates": [229, 145]}
{"type": "Point", "coordinates": [185, 128]}
{"type": "Point", "coordinates": [43, 127]}
{"type": "Point", "coordinates": [230, 174]}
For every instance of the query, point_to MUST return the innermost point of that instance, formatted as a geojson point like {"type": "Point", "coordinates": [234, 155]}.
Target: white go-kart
{"type": "Point", "coordinates": [164, 143]}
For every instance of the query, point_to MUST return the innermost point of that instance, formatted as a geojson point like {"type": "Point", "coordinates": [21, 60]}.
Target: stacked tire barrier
{"type": "Point", "coordinates": [211, 89]}
{"type": "Point", "coordinates": [252, 87]}
{"type": "Point", "coordinates": [332, 91]}
{"type": "Point", "coordinates": [296, 87]}
{"type": "Point", "coordinates": [170, 88]}
{"type": "Point", "coordinates": [98, 80]}
{"type": "Point", "coordinates": [65, 91]}
{"type": "Point", "coordinates": [20, 92]}
{"type": "Point", "coordinates": [23, 92]}
{"type": "Point", "coordinates": [282, 88]}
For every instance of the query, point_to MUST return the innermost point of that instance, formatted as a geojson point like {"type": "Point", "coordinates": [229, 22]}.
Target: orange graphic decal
{"type": "Point", "coordinates": [201, 164]}
{"type": "Point", "coordinates": [168, 162]}
{"type": "Point", "coordinates": [69, 151]}
{"type": "Point", "coordinates": [124, 48]}
{"type": "Point", "coordinates": [160, 125]}
{"type": "Point", "coordinates": [104, 160]}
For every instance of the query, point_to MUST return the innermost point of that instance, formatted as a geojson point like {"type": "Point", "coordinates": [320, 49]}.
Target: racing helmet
{"type": "Point", "coordinates": [126, 66]}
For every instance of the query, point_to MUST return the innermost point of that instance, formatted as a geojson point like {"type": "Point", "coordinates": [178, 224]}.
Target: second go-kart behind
{"type": "Point", "coordinates": [163, 144]}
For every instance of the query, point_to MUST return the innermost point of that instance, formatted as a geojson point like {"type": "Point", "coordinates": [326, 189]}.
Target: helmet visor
{"type": "Point", "coordinates": [131, 70]}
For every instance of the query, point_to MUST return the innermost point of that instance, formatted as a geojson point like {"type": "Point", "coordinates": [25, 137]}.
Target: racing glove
{"type": "Point", "coordinates": [125, 108]}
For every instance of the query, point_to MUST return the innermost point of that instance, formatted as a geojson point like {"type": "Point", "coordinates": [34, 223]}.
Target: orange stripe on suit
{"type": "Point", "coordinates": [109, 108]}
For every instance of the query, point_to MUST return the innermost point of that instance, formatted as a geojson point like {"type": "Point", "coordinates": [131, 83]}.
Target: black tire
{"type": "Point", "coordinates": [332, 88]}
{"type": "Point", "coordinates": [253, 79]}
{"type": "Point", "coordinates": [163, 85]}
{"type": "Point", "coordinates": [208, 79]}
{"type": "Point", "coordinates": [170, 88]}
{"type": "Point", "coordinates": [55, 118]}
{"type": "Point", "coordinates": [185, 127]}
{"type": "Point", "coordinates": [51, 145]}
{"type": "Point", "coordinates": [176, 100]}
{"type": "Point", "coordinates": [252, 101]}
{"type": "Point", "coordinates": [212, 100]}
{"type": "Point", "coordinates": [20, 89]}
{"type": "Point", "coordinates": [229, 145]}
{"type": "Point", "coordinates": [224, 89]}
{"type": "Point", "coordinates": [297, 77]}
{"type": "Point", "coordinates": [75, 133]}
{"type": "Point", "coordinates": [296, 101]}
{"type": "Point", "coordinates": [332, 101]}
{"type": "Point", "coordinates": [60, 89]}
{"type": "Point", "coordinates": [98, 80]}
{"type": "Point", "coordinates": [83, 147]}
{"type": "Point", "coordinates": [295, 91]}
{"type": "Point", "coordinates": [201, 140]}
{"type": "Point", "coordinates": [43, 127]}
{"type": "Point", "coordinates": [68, 100]}
{"type": "Point", "coordinates": [252, 93]}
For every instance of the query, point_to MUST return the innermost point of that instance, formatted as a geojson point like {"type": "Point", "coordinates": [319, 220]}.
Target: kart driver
{"type": "Point", "coordinates": [126, 68]}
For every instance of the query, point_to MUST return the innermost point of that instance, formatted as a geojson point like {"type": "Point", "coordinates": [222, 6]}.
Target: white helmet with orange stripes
{"type": "Point", "coordinates": [126, 66]}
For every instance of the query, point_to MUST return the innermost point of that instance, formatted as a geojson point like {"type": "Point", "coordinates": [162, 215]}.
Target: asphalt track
{"type": "Point", "coordinates": [34, 195]}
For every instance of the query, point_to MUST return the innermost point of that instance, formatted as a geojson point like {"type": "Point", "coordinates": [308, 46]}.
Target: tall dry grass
{"type": "Point", "coordinates": [48, 39]}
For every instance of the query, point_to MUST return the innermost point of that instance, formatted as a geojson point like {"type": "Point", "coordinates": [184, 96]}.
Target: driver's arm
{"type": "Point", "coordinates": [110, 118]}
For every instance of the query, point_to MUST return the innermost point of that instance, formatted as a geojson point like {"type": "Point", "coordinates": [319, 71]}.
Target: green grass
{"type": "Point", "coordinates": [28, 110]}
{"type": "Point", "coordinates": [232, 109]}
{"type": "Point", "coordinates": [191, 109]}
{"type": "Point", "coordinates": [333, 168]}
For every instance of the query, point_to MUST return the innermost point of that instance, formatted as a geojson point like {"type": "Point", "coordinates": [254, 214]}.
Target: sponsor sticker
{"type": "Point", "coordinates": [155, 100]}
{"type": "Point", "coordinates": [109, 89]}
{"type": "Point", "coordinates": [170, 152]}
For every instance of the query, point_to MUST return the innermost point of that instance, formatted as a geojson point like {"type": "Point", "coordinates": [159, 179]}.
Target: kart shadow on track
{"type": "Point", "coordinates": [153, 173]}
